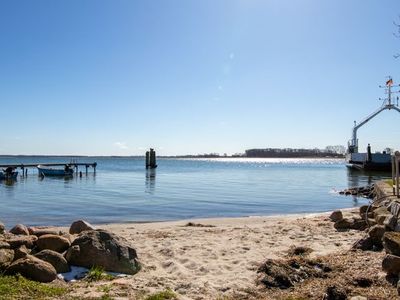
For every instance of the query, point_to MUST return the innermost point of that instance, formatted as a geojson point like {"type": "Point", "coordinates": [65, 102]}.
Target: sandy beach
{"type": "Point", "coordinates": [216, 258]}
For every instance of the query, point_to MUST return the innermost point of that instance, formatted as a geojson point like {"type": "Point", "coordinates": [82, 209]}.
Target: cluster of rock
{"type": "Point", "coordinates": [364, 191]}
{"type": "Point", "coordinates": [41, 253]}
{"type": "Point", "coordinates": [381, 220]}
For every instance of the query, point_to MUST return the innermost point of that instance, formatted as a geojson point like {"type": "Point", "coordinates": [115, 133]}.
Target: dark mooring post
{"type": "Point", "coordinates": [151, 159]}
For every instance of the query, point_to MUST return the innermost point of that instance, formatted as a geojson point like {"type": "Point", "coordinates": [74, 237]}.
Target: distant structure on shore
{"type": "Point", "coordinates": [330, 151]}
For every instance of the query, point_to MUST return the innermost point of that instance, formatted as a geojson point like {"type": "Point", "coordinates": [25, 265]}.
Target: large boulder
{"type": "Point", "coordinates": [336, 216]}
{"type": "Point", "coordinates": [391, 264]}
{"type": "Point", "coordinates": [104, 249]}
{"type": "Point", "coordinates": [21, 252]}
{"type": "Point", "coordinates": [33, 268]}
{"type": "Point", "coordinates": [80, 226]}
{"type": "Point", "coordinates": [19, 229]}
{"type": "Point", "coordinates": [55, 259]}
{"type": "Point", "coordinates": [391, 242]}
{"type": "Point", "coordinates": [364, 244]}
{"type": "Point", "coordinates": [17, 241]}
{"type": "Point", "coordinates": [6, 257]}
{"type": "Point", "coordinates": [53, 242]}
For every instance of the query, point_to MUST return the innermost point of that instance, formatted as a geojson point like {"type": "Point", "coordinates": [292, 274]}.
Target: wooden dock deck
{"type": "Point", "coordinates": [74, 165]}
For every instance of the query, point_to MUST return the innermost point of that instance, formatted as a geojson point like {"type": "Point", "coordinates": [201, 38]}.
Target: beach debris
{"type": "Point", "coordinates": [80, 226]}
{"type": "Point", "coordinates": [19, 229]}
{"type": "Point", "coordinates": [103, 249]}
{"type": "Point", "coordinates": [191, 224]}
{"type": "Point", "coordinates": [335, 293]}
{"type": "Point", "coordinates": [336, 215]}
{"type": "Point", "coordinates": [363, 191]}
{"type": "Point", "coordinates": [299, 251]}
{"type": "Point", "coordinates": [362, 282]}
{"type": "Point", "coordinates": [53, 242]}
{"type": "Point", "coordinates": [55, 259]}
{"type": "Point", "coordinates": [32, 268]}
{"type": "Point", "coordinates": [358, 298]}
{"type": "Point", "coordinates": [284, 274]}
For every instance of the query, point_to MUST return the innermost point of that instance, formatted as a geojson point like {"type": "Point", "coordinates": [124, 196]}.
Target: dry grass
{"type": "Point", "coordinates": [356, 272]}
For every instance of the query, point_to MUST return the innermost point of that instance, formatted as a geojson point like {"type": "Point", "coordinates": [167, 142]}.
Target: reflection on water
{"type": "Point", "coordinates": [150, 180]}
{"type": "Point", "coordinates": [362, 178]}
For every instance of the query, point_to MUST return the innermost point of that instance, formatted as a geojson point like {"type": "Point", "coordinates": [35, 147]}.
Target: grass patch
{"type": "Point", "coordinates": [18, 287]}
{"type": "Point", "coordinates": [97, 274]}
{"type": "Point", "coordinates": [164, 295]}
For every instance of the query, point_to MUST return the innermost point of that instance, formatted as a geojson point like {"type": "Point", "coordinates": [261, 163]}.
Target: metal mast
{"type": "Point", "coordinates": [387, 105]}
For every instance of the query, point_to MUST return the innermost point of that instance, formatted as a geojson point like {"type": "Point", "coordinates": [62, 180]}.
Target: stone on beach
{"type": "Point", "coordinates": [19, 229]}
{"type": "Point", "coordinates": [6, 257]}
{"type": "Point", "coordinates": [33, 268]}
{"type": "Point", "coordinates": [53, 242]}
{"type": "Point", "coordinates": [2, 228]}
{"type": "Point", "coordinates": [391, 242]}
{"type": "Point", "coordinates": [17, 241]}
{"type": "Point", "coordinates": [364, 244]}
{"type": "Point", "coordinates": [336, 216]}
{"type": "Point", "coordinates": [104, 249]}
{"type": "Point", "coordinates": [41, 231]}
{"type": "Point", "coordinates": [55, 259]}
{"type": "Point", "coordinates": [391, 264]}
{"type": "Point", "coordinates": [80, 226]}
{"type": "Point", "coordinates": [21, 252]}
{"type": "Point", "coordinates": [376, 233]}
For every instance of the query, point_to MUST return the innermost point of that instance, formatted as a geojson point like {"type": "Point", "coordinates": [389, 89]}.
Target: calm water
{"type": "Point", "coordinates": [122, 190]}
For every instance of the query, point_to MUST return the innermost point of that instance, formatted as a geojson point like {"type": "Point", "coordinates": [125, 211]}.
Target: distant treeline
{"type": "Point", "coordinates": [289, 152]}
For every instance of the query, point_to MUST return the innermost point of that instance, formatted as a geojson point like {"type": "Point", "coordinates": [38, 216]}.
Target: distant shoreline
{"type": "Point", "coordinates": [166, 156]}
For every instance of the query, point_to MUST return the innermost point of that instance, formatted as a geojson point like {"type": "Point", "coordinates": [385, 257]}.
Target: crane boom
{"type": "Point", "coordinates": [353, 143]}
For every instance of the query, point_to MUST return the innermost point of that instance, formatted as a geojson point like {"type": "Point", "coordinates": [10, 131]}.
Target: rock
{"type": "Point", "coordinates": [395, 208]}
{"type": "Point", "coordinates": [336, 216]}
{"type": "Point", "coordinates": [371, 222]}
{"type": "Point", "coordinates": [6, 257]}
{"type": "Point", "coordinates": [335, 293]}
{"type": "Point", "coordinates": [391, 242]}
{"type": "Point", "coordinates": [362, 282]}
{"type": "Point", "coordinates": [390, 222]}
{"type": "Point", "coordinates": [391, 264]}
{"type": "Point", "coordinates": [41, 231]}
{"type": "Point", "coordinates": [55, 259]}
{"type": "Point", "coordinates": [380, 214]}
{"type": "Point", "coordinates": [2, 228]}
{"type": "Point", "coordinates": [364, 244]}
{"type": "Point", "coordinates": [80, 226]}
{"type": "Point", "coordinates": [20, 229]}
{"type": "Point", "coordinates": [21, 252]}
{"type": "Point", "coordinates": [376, 233]}
{"type": "Point", "coordinates": [364, 209]}
{"type": "Point", "coordinates": [16, 241]}
{"type": "Point", "coordinates": [53, 242]}
{"type": "Point", "coordinates": [104, 249]}
{"type": "Point", "coordinates": [68, 236]}
{"type": "Point", "coordinates": [33, 268]}
{"type": "Point", "coordinates": [4, 245]}
{"type": "Point", "coordinates": [358, 224]}
{"type": "Point", "coordinates": [343, 224]}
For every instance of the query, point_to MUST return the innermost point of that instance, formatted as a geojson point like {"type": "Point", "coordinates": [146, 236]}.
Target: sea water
{"type": "Point", "coordinates": [122, 190]}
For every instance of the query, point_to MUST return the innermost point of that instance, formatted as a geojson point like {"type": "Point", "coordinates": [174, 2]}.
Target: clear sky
{"type": "Point", "coordinates": [183, 76]}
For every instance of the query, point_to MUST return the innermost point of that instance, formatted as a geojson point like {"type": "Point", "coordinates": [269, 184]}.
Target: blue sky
{"type": "Point", "coordinates": [116, 77]}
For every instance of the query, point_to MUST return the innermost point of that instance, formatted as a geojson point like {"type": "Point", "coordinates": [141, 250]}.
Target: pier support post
{"type": "Point", "coordinates": [151, 159]}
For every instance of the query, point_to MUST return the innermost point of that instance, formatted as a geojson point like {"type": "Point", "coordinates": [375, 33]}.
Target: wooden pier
{"type": "Point", "coordinates": [74, 165]}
